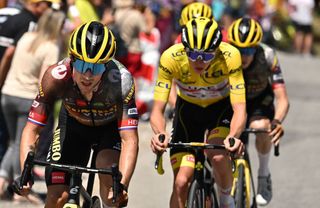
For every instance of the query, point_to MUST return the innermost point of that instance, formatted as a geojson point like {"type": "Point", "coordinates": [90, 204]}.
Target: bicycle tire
{"type": "Point", "coordinates": [96, 202]}
{"type": "Point", "coordinates": [240, 195]}
{"type": "Point", "coordinates": [196, 196]}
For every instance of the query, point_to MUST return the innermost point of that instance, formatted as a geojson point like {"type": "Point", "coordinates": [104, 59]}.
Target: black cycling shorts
{"type": "Point", "coordinates": [72, 143]}
{"type": "Point", "coordinates": [191, 121]}
{"type": "Point", "coordinates": [261, 105]}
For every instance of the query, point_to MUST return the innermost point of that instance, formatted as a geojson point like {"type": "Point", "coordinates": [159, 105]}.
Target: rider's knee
{"type": "Point", "coordinates": [260, 124]}
{"type": "Point", "coordinates": [218, 160]}
{"type": "Point", "coordinates": [181, 182]}
{"type": "Point", "coordinates": [56, 199]}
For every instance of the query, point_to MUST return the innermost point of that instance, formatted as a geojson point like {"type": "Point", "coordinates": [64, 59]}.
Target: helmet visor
{"type": "Point", "coordinates": [83, 67]}
{"type": "Point", "coordinates": [196, 55]}
{"type": "Point", "coordinates": [247, 51]}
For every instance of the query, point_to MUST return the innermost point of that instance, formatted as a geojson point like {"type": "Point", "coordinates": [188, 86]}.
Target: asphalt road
{"type": "Point", "coordinates": [295, 173]}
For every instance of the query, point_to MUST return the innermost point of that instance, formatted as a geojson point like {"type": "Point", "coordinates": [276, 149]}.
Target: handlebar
{"type": "Point", "coordinates": [30, 162]}
{"type": "Point", "coordinates": [257, 131]}
{"type": "Point", "coordinates": [195, 145]}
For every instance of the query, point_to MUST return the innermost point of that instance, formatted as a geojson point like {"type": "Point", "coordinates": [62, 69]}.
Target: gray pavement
{"type": "Point", "coordinates": [295, 174]}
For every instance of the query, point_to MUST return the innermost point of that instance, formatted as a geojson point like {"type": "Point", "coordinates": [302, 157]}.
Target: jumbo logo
{"type": "Point", "coordinates": [56, 147]}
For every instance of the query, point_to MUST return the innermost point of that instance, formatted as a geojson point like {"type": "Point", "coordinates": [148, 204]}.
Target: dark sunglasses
{"type": "Point", "coordinates": [247, 51]}
{"type": "Point", "coordinates": [83, 67]}
{"type": "Point", "coordinates": [196, 55]}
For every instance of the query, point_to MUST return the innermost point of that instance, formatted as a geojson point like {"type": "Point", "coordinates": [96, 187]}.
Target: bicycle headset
{"type": "Point", "coordinates": [245, 33]}
{"type": "Point", "coordinates": [194, 10]}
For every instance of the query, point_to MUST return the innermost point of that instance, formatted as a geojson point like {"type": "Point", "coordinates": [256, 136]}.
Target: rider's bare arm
{"type": "Point", "coordinates": [129, 153]}
{"type": "Point", "coordinates": [282, 103]}
{"type": "Point", "coordinates": [157, 119]}
{"type": "Point", "coordinates": [29, 139]}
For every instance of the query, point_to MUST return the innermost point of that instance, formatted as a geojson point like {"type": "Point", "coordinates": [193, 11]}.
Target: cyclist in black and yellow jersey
{"type": "Point", "coordinates": [210, 96]}
{"type": "Point", "coordinates": [264, 85]}
{"type": "Point", "coordinates": [98, 109]}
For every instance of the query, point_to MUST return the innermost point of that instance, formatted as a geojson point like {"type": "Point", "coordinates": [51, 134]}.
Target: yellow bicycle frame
{"type": "Point", "coordinates": [247, 179]}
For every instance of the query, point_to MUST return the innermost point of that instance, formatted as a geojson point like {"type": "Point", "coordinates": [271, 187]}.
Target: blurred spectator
{"type": "Point", "coordinates": [301, 13]}
{"type": "Point", "coordinates": [150, 46]}
{"type": "Point", "coordinates": [39, 50]}
{"type": "Point", "coordinates": [11, 31]}
{"type": "Point", "coordinates": [130, 23]}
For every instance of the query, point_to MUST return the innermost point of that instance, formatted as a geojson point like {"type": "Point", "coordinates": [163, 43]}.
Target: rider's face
{"type": "Point", "coordinates": [87, 81]}
{"type": "Point", "coordinates": [87, 75]}
{"type": "Point", "coordinates": [246, 60]}
{"type": "Point", "coordinates": [247, 56]}
{"type": "Point", "coordinates": [200, 61]}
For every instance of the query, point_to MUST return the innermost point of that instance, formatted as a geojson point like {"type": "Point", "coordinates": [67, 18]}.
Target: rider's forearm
{"type": "Point", "coordinates": [157, 122]}
{"type": "Point", "coordinates": [238, 120]}
{"type": "Point", "coordinates": [282, 104]}
{"type": "Point", "coordinates": [128, 156]}
{"type": "Point", "coordinates": [28, 142]}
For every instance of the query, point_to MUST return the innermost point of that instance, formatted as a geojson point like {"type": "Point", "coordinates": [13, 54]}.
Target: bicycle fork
{"type": "Point", "coordinates": [75, 191]}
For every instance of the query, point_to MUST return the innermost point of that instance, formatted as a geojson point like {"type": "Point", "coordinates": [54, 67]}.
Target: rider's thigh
{"type": "Point", "coordinates": [57, 196]}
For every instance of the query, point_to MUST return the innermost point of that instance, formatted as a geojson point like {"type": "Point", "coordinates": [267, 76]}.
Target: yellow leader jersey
{"type": "Point", "coordinates": [222, 78]}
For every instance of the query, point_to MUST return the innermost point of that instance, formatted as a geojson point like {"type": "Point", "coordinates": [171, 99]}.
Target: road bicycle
{"type": "Point", "coordinates": [76, 189]}
{"type": "Point", "coordinates": [243, 189]}
{"type": "Point", "coordinates": [202, 192]}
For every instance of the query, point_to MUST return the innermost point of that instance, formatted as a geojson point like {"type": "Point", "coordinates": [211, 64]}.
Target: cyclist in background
{"type": "Point", "coordinates": [264, 85]}
{"type": "Point", "coordinates": [98, 109]}
{"type": "Point", "coordinates": [211, 96]}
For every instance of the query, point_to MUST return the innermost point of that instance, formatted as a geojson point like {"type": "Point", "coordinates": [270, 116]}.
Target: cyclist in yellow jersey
{"type": "Point", "coordinates": [210, 96]}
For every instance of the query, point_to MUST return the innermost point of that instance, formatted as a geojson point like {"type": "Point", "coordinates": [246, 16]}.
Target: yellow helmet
{"type": "Point", "coordinates": [92, 42]}
{"type": "Point", "coordinates": [193, 10]}
{"type": "Point", "coordinates": [201, 34]}
{"type": "Point", "coordinates": [245, 32]}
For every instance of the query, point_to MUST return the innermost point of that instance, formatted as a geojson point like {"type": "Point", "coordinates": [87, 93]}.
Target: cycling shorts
{"type": "Point", "coordinates": [191, 121]}
{"type": "Point", "coordinates": [262, 105]}
{"type": "Point", "coordinates": [72, 143]}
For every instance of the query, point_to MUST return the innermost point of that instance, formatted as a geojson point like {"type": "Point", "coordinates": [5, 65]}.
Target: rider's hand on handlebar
{"type": "Point", "coordinates": [158, 146]}
{"type": "Point", "coordinates": [122, 199]}
{"type": "Point", "coordinates": [237, 147]}
{"type": "Point", "coordinates": [25, 190]}
{"type": "Point", "coordinates": [276, 131]}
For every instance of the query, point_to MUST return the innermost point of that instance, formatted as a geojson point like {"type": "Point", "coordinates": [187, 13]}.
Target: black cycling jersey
{"type": "Point", "coordinates": [264, 72]}
{"type": "Point", "coordinates": [113, 100]}
{"type": "Point", "coordinates": [14, 26]}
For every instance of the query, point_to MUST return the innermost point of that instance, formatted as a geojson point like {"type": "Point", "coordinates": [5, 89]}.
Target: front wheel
{"type": "Point", "coordinates": [196, 196]}
{"type": "Point", "coordinates": [240, 194]}
{"type": "Point", "coordinates": [96, 202]}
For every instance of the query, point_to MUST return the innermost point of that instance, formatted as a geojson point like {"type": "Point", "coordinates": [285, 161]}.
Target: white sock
{"type": "Point", "coordinates": [263, 164]}
{"type": "Point", "coordinates": [226, 200]}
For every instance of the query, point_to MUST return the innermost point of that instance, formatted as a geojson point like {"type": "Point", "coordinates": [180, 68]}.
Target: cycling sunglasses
{"type": "Point", "coordinates": [196, 55]}
{"type": "Point", "coordinates": [247, 51]}
{"type": "Point", "coordinates": [83, 67]}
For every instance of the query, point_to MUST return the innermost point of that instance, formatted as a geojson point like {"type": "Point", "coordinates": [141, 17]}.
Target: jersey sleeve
{"type": "Point", "coordinates": [276, 74]}
{"type": "Point", "coordinates": [164, 79]}
{"type": "Point", "coordinates": [130, 116]}
{"type": "Point", "coordinates": [236, 81]}
{"type": "Point", "coordinates": [51, 86]}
